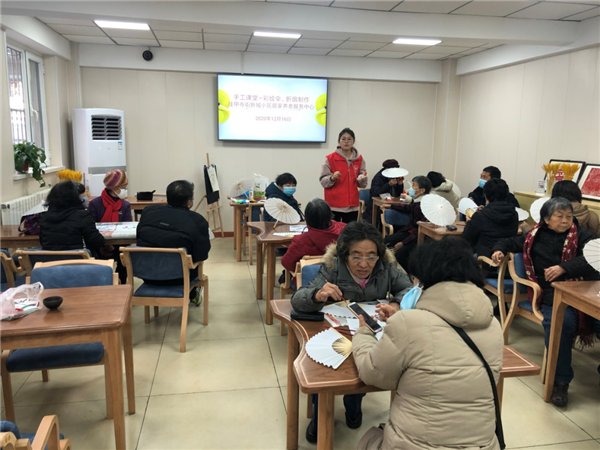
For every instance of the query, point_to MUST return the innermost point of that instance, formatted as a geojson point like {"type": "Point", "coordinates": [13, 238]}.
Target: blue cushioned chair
{"type": "Point", "coordinates": [29, 257]}
{"type": "Point", "coordinates": [11, 275]}
{"type": "Point", "coordinates": [307, 270]}
{"type": "Point", "coordinates": [161, 264]}
{"type": "Point", "coordinates": [60, 274]}
{"type": "Point", "coordinates": [47, 436]}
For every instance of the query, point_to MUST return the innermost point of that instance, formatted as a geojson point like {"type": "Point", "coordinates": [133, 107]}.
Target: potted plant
{"type": "Point", "coordinates": [28, 155]}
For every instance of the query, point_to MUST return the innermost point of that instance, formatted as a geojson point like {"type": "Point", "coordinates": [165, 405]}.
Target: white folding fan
{"type": "Point", "coordinates": [467, 206]}
{"type": "Point", "coordinates": [281, 211]}
{"type": "Point", "coordinates": [241, 188]}
{"type": "Point", "coordinates": [438, 210]}
{"type": "Point", "coordinates": [523, 215]}
{"type": "Point", "coordinates": [535, 208]}
{"type": "Point", "coordinates": [329, 348]}
{"type": "Point", "coordinates": [591, 253]}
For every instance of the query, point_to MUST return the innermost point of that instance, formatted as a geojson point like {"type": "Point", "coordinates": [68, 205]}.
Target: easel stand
{"type": "Point", "coordinates": [213, 211]}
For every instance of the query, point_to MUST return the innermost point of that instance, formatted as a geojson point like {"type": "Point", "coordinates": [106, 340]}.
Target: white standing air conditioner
{"type": "Point", "coordinates": [99, 144]}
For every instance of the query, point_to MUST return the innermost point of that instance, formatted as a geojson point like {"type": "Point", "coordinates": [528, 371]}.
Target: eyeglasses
{"type": "Point", "coordinates": [371, 259]}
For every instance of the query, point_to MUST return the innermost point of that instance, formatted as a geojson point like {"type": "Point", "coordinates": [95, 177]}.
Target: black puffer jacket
{"type": "Point", "coordinates": [273, 191]}
{"type": "Point", "coordinates": [547, 251]}
{"type": "Point", "coordinates": [498, 220]}
{"type": "Point", "coordinates": [68, 229]}
{"type": "Point", "coordinates": [167, 226]}
{"type": "Point", "coordinates": [380, 184]}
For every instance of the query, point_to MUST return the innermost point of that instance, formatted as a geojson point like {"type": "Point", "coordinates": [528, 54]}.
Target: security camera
{"type": "Point", "coordinates": [147, 55]}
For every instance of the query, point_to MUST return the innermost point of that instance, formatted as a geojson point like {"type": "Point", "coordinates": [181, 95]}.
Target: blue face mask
{"type": "Point", "coordinates": [289, 190]}
{"type": "Point", "coordinates": [410, 299]}
{"type": "Point", "coordinates": [411, 192]}
{"type": "Point", "coordinates": [482, 183]}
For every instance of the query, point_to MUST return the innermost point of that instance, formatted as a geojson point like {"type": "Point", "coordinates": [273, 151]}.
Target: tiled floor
{"type": "Point", "coordinates": [229, 390]}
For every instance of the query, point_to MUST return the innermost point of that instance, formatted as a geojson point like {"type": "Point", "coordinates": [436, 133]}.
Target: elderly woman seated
{"type": "Point", "coordinates": [553, 251]}
{"type": "Point", "coordinates": [437, 379]}
{"type": "Point", "coordinates": [358, 268]}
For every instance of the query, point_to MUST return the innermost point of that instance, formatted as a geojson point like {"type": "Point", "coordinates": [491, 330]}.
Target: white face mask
{"type": "Point", "coordinates": [123, 194]}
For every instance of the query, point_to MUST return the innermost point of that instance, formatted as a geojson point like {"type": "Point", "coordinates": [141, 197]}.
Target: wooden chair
{"type": "Point", "coordinates": [149, 263]}
{"type": "Point", "coordinates": [386, 228]}
{"type": "Point", "coordinates": [11, 274]}
{"type": "Point", "coordinates": [29, 257]}
{"type": "Point", "coordinates": [46, 436]}
{"type": "Point", "coordinates": [61, 274]}
{"type": "Point", "coordinates": [304, 272]}
{"type": "Point", "coordinates": [498, 286]}
{"type": "Point", "coordinates": [520, 304]}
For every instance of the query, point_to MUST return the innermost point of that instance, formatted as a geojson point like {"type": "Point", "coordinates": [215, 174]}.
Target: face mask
{"type": "Point", "coordinates": [411, 192]}
{"type": "Point", "coordinates": [123, 194]}
{"type": "Point", "coordinates": [289, 190]}
{"type": "Point", "coordinates": [410, 299]}
{"type": "Point", "coordinates": [482, 183]}
{"type": "Point", "coordinates": [84, 200]}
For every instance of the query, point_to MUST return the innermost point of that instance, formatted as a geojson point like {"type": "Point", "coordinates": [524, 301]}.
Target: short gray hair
{"type": "Point", "coordinates": [553, 205]}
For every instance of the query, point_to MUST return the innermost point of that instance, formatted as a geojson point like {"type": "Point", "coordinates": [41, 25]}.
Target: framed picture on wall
{"type": "Point", "coordinates": [578, 172]}
{"type": "Point", "coordinates": [589, 182]}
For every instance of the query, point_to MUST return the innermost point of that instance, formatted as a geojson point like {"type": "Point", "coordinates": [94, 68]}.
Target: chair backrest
{"type": "Point", "coordinates": [519, 264]}
{"type": "Point", "coordinates": [74, 273]}
{"type": "Point", "coordinates": [309, 268]}
{"type": "Point", "coordinates": [387, 229]}
{"type": "Point", "coordinates": [28, 258]}
{"type": "Point", "coordinates": [8, 269]}
{"type": "Point", "coordinates": [516, 269]}
{"type": "Point", "coordinates": [156, 264]}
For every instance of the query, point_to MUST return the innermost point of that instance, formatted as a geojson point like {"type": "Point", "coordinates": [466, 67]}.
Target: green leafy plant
{"type": "Point", "coordinates": [28, 155]}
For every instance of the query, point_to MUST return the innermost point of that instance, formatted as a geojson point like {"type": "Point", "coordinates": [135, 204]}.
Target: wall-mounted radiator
{"type": "Point", "coordinates": [13, 210]}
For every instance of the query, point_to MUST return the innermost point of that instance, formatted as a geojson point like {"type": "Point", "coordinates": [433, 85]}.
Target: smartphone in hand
{"type": "Point", "coordinates": [358, 311]}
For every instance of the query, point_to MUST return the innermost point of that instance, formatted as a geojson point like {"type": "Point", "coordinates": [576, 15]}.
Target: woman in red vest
{"type": "Point", "coordinates": [343, 172]}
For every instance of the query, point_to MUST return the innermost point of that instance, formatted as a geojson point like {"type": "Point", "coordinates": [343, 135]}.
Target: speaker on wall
{"type": "Point", "coordinates": [147, 55]}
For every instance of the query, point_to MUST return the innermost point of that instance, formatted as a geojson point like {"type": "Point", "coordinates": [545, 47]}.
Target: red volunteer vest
{"type": "Point", "coordinates": [344, 193]}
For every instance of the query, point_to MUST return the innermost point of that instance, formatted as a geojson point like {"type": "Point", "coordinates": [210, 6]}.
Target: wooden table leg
{"type": "Point", "coordinates": [325, 424]}
{"type": "Point", "coordinates": [558, 317]}
{"type": "Point", "coordinates": [292, 392]}
{"type": "Point", "coordinates": [112, 346]}
{"type": "Point", "coordinates": [128, 352]}
{"type": "Point", "coordinates": [237, 231]}
{"type": "Point", "coordinates": [270, 249]}
{"type": "Point", "coordinates": [374, 214]}
{"type": "Point", "coordinates": [500, 390]}
{"type": "Point", "coordinates": [260, 267]}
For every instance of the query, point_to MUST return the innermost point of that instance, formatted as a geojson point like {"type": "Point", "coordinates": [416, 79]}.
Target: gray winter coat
{"type": "Point", "coordinates": [387, 277]}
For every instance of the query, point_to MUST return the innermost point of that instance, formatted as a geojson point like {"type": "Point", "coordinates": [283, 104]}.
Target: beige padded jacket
{"type": "Point", "coordinates": [443, 394]}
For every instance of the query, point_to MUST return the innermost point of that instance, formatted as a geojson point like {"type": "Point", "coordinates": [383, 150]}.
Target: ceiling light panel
{"type": "Point", "coordinates": [111, 24]}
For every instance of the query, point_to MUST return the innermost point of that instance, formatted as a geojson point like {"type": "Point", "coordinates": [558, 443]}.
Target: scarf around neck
{"type": "Point", "coordinates": [112, 207]}
{"type": "Point", "coordinates": [569, 251]}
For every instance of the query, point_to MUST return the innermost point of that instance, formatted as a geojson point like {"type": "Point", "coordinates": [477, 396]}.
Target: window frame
{"type": "Point", "coordinates": [26, 74]}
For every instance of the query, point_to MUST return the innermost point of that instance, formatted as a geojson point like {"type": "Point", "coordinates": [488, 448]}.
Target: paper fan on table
{"type": "Point", "coordinates": [535, 208]}
{"type": "Point", "coordinates": [591, 253]}
{"type": "Point", "coordinates": [281, 211]}
{"type": "Point", "coordinates": [394, 172]}
{"type": "Point", "coordinates": [329, 348]}
{"type": "Point", "coordinates": [467, 206]}
{"type": "Point", "coordinates": [438, 210]}
{"type": "Point", "coordinates": [241, 188]}
{"type": "Point", "coordinates": [523, 215]}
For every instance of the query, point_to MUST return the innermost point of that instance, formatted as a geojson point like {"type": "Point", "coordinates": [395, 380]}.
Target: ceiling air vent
{"type": "Point", "coordinates": [106, 128]}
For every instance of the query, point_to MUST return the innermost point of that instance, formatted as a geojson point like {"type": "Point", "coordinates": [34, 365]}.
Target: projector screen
{"type": "Point", "coordinates": [271, 108]}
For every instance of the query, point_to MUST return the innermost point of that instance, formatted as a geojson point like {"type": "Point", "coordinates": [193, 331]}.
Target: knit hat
{"type": "Point", "coordinates": [115, 179]}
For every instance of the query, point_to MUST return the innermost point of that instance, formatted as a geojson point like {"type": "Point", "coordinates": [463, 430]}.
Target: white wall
{"type": "Point", "coordinates": [170, 126]}
{"type": "Point", "coordinates": [519, 117]}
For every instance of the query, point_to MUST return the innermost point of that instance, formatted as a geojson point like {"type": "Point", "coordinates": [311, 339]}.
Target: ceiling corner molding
{"type": "Point", "coordinates": [36, 35]}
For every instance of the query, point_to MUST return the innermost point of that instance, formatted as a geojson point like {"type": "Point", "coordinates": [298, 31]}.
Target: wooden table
{"type": "Point", "coordinates": [87, 314]}
{"type": "Point", "coordinates": [267, 243]}
{"type": "Point", "coordinates": [436, 232]}
{"type": "Point", "coordinates": [138, 205]}
{"type": "Point", "coordinates": [10, 237]}
{"type": "Point", "coordinates": [581, 295]}
{"type": "Point", "coordinates": [380, 203]}
{"type": "Point", "coordinates": [314, 378]}
{"type": "Point", "coordinates": [238, 228]}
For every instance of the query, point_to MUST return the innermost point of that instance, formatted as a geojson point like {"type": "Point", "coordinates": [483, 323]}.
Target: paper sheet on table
{"type": "Point", "coordinates": [286, 233]}
{"type": "Point", "coordinates": [298, 228]}
{"type": "Point", "coordinates": [337, 311]}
